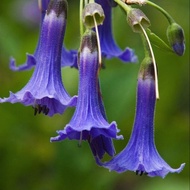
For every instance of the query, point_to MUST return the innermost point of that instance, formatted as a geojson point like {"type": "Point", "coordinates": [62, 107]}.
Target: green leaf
{"type": "Point", "coordinates": [158, 42]}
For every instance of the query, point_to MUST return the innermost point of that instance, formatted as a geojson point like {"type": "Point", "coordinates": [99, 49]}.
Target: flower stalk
{"type": "Point", "coordinates": [151, 53]}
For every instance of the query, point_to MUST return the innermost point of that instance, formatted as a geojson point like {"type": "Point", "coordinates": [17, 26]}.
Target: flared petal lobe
{"type": "Point", "coordinates": [45, 90]}
{"type": "Point", "coordinates": [140, 155]}
{"type": "Point", "coordinates": [88, 122]}
{"type": "Point", "coordinates": [108, 46]}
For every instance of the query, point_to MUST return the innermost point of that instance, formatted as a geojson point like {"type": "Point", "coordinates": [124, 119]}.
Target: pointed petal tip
{"type": "Point", "coordinates": [61, 136]}
{"type": "Point", "coordinates": [180, 168]}
{"type": "Point", "coordinates": [163, 172]}
{"type": "Point", "coordinates": [30, 62]}
{"type": "Point", "coordinates": [54, 139]}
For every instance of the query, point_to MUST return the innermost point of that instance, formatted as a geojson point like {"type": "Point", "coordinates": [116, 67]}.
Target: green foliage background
{"type": "Point", "coordinates": [29, 161]}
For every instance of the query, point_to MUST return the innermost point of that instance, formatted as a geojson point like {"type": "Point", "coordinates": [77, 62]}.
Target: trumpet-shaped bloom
{"type": "Point", "coordinates": [45, 90]}
{"type": "Point", "coordinates": [68, 58]}
{"type": "Point", "coordinates": [140, 155]}
{"type": "Point", "coordinates": [108, 46]}
{"type": "Point", "coordinates": [88, 121]}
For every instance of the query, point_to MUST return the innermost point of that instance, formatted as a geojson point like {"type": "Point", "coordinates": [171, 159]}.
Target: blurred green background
{"type": "Point", "coordinates": [29, 161]}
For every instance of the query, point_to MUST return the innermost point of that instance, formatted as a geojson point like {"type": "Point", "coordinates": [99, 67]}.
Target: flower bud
{"type": "Point", "coordinates": [91, 11]}
{"type": "Point", "coordinates": [176, 38]}
{"type": "Point", "coordinates": [135, 18]}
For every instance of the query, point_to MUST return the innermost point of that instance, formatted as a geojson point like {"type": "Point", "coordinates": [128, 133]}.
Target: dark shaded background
{"type": "Point", "coordinates": [29, 161]}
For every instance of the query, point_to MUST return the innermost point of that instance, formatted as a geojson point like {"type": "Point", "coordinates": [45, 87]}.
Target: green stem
{"type": "Point", "coordinates": [126, 7]}
{"type": "Point", "coordinates": [165, 13]}
{"type": "Point", "coordinates": [145, 45]}
{"type": "Point", "coordinates": [80, 17]}
{"type": "Point", "coordinates": [91, 1]}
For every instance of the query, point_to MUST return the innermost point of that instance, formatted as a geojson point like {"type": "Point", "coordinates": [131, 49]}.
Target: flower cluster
{"type": "Point", "coordinates": [46, 93]}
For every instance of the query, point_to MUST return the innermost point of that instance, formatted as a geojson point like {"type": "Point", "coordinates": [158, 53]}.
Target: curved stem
{"type": "Point", "coordinates": [165, 13]}
{"type": "Point", "coordinates": [126, 7]}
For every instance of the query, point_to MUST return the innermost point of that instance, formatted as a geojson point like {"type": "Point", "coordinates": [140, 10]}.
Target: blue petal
{"type": "Point", "coordinates": [179, 48]}
{"type": "Point", "coordinates": [108, 46]}
{"type": "Point", "coordinates": [31, 62]}
{"type": "Point", "coordinates": [140, 154]}
{"type": "Point", "coordinates": [89, 120]}
{"type": "Point", "coordinates": [45, 90]}
{"type": "Point", "coordinates": [69, 58]}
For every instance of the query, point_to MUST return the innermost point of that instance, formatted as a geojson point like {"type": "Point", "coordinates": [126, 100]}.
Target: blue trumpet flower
{"type": "Point", "coordinates": [68, 57]}
{"type": "Point", "coordinates": [89, 122]}
{"type": "Point", "coordinates": [45, 90]}
{"type": "Point", "coordinates": [140, 155]}
{"type": "Point", "coordinates": [108, 46]}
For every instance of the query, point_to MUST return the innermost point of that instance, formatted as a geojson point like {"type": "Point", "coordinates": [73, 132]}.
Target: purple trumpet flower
{"type": "Point", "coordinates": [45, 90]}
{"type": "Point", "coordinates": [108, 46]}
{"type": "Point", "coordinates": [89, 120]}
{"type": "Point", "coordinates": [68, 58]}
{"type": "Point", "coordinates": [140, 155]}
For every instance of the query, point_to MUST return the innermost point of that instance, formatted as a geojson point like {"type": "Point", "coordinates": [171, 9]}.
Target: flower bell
{"type": "Point", "coordinates": [140, 154]}
{"type": "Point", "coordinates": [93, 11]}
{"type": "Point", "coordinates": [89, 122]}
{"type": "Point", "coordinates": [68, 57]}
{"type": "Point", "coordinates": [45, 90]}
{"type": "Point", "coordinates": [108, 46]}
{"type": "Point", "coordinates": [135, 18]}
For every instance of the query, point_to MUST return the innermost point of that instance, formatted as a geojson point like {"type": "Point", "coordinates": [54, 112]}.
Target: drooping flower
{"type": "Point", "coordinates": [68, 58]}
{"type": "Point", "coordinates": [108, 46]}
{"type": "Point", "coordinates": [140, 155]}
{"type": "Point", "coordinates": [88, 122]}
{"type": "Point", "coordinates": [45, 90]}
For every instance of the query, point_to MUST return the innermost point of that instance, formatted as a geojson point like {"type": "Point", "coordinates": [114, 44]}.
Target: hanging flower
{"type": "Point", "coordinates": [108, 46]}
{"type": "Point", "coordinates": [88, 122]}
{"type": "Point", "coordinates": [45, 90]}
{"type": "Point", "coordinates": [68, 57]}
{"type": "Point", "coordinates": [140, 155]}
